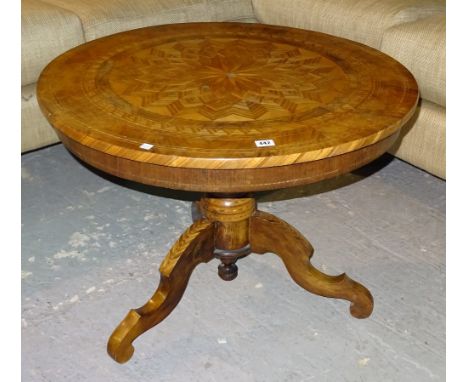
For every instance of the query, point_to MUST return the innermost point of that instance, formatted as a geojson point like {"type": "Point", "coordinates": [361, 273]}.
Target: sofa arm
{"type": "Point", "coordinates": [420, 46]}
{"type": "Point", "coordinates": [359, 20]}
{"type": "Point", "coordinates": [46, 32]}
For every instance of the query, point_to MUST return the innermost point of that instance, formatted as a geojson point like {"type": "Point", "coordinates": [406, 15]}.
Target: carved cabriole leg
{"type": "Point", "coordinates": [271, 234]}
{"type": "Point", "coordinates": [229, 229]}
{"type": "Point", "coordinates": [195, 246]}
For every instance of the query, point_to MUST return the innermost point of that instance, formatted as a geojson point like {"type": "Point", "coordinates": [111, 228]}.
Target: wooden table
{"type": "Point", "coordinates": [227, 109]}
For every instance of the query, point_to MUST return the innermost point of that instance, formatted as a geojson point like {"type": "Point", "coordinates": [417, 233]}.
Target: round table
{"type": "Point", "coordinates": [227, 109]}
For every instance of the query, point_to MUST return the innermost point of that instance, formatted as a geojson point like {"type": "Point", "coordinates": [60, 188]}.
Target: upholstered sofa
{"type": "Point", "coordinates": [412, 31]}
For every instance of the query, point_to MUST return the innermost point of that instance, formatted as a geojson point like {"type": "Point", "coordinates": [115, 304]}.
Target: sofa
{"type": "Point", "coordinates": [412, 31]}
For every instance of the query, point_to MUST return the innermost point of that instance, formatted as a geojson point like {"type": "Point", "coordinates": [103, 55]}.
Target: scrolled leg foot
{"type": "Point", "coordinates": [195, 246]}
{"type": "Point", "coordinates": [271, 234]}
{"type": "Point", "coordinates": [362, 302]}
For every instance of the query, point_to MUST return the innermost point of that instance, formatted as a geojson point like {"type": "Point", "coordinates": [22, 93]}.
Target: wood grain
{"type": "Point", "coordinates": [232, 217]}
{"type": "Point", "coordinates": [195, 246]}
{"type": "Point", "coordinates": [202, 94]}
{"type": "Point", "coordinates": [271, 234]}
{"type": "Point", "coordinates": [236, 180]}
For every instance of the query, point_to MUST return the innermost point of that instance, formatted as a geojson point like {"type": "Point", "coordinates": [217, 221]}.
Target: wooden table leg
{"type": "Point", "coordinates": [195, 246]}
{"type": "Point", "coordinates": [230, 228]}
{"type": "Point", "coordinates": [271, 234]}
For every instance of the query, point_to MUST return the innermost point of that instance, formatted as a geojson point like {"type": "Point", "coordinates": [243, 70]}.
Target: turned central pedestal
{"type": "Point", "coordinates": [229, 227]}
{"type": "Point", "coordinates": [231, 217]}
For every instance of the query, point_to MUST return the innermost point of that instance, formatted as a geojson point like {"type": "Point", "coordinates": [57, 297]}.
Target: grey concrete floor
{"type": "Point", "coordinates": [91, 246]}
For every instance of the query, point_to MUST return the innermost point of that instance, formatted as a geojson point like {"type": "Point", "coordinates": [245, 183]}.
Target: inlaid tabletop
{"type": "Point", "coordinates": [205, 97]}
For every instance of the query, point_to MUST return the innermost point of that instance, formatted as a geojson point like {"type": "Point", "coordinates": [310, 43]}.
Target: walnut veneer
{"type": "Point", "coordinates": [226, 109]}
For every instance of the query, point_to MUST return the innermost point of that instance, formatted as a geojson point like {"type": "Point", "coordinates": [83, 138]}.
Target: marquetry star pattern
{"type": "Point", "coordinates": [227, 79]}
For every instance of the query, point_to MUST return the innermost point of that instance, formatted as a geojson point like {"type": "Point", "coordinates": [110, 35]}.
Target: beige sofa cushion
{"type": "Point", "coordinates": [46, 32]}
{"type": "Point", "coordinates": [420, 46]}
{"type": "Point", "coordinates": [104, 17]}
{"type": "Point", "coordinates": [422, 141]}
{"type": "Point", "coordinates": [35, 130]}
{"type": "Point", "coordinates": [359, 20]}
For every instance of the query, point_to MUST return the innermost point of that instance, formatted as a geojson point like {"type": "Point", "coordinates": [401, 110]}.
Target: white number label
{"type": "Point", "coordinates": [265, 143]}
{"type": "Point", "coordinates": [146, 146]}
